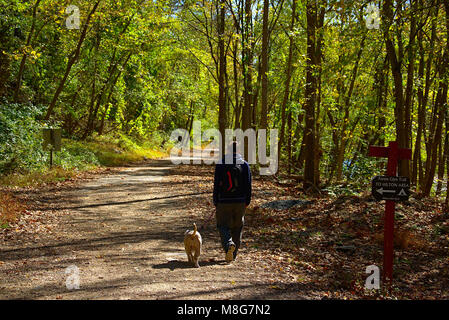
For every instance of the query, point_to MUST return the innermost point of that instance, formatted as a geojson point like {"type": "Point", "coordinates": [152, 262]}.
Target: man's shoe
{"type": "Point", "coordinates": [230, 253]}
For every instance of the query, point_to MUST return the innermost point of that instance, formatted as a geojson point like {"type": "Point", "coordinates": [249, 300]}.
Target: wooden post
{"type": "Point", "coordinates": [394, 154]}
{"type": "Point", "coordinates": [392, 166]}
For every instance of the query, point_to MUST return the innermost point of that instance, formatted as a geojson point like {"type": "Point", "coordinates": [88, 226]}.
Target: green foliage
{"type": "Point", "coordinates": [358, 177]}
{"type": "Point", "coordinates": [113, 150]}
{"type": "Point", "coordinates": [20, 143]}
{"type": "Point", "coordinates": [362, 169]}
{"type": "Point", "coordinates": [146, 68]}
{"type": "Point", "coordinates": [346, 189]}
{"type": "Point", "coordinates": [75, 155]}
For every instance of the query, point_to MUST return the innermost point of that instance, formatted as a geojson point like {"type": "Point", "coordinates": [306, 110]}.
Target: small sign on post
{"type": "Point", "coordinates": [52, 141]}
{"type": "Point", "coordinates": [390, 188]}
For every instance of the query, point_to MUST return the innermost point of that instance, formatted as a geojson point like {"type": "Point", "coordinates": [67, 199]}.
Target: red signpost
{"type": "Point", "coordinates": [394, 153]}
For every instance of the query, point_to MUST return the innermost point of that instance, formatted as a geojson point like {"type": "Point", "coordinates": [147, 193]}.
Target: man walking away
{"type": "Point", "coordinates": [232, 194]}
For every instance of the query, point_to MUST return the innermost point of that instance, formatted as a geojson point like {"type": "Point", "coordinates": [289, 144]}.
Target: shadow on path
{"type": "Point", "coordinates": [177, 264]}
{"type": "Point", "coordinates": [125, 202]}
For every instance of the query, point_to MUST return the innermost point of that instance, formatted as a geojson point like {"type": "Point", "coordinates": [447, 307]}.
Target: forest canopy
{"type": "Point", "coordinates": [334, 77]}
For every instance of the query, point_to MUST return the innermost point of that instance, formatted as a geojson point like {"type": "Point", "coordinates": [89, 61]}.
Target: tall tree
{"type": "Point", "coordinates": [25, 54]}
{"type": "Point", "coordinates": [247, 63]}
{"type": "Point", "coordinates": [310, 179]}
{"type": "Point", "coordinates": [264, 65]}
{"type": "Point", "coordinates": [288, 77]}
{"type": "Point", "coordinates": [403, 100]}
{"type": "Point", "coordinates": [72, 59]}
{"type": "Point", "coordinates": [222, 115]}
{"type": "Point", "coordinates": [440, 108]}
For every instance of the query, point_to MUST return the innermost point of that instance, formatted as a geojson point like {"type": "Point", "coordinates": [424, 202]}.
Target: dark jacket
{"type": "Point", "coordinates": [220, 171]}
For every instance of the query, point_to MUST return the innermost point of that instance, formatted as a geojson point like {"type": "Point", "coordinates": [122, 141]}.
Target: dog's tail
{"type": "Point", "coordinates": [194, 228]}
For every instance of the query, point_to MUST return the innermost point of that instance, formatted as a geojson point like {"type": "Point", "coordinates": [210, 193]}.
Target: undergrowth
{"type": "Point", "coordinates": [78, 156]}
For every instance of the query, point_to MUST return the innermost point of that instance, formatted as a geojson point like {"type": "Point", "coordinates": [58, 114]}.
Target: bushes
{"type": "Point", "coordinates": [79, 155]}
{"type": "Point", "coordinates": [358, 176]}
{"type": "Point", "coordinates": [362, 170]}
{"type": "Point", "coordinates": [20, 144]}
{"type": "Point", "coordinates": [119, 149]}
{"type": "Point", "coordinates": [76, 154]}
{"type": "Point", "coordinates": [23, 160]}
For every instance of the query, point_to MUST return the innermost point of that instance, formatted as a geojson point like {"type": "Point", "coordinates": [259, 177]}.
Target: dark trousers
{"type": "Point", "coordinates": [230, 220]}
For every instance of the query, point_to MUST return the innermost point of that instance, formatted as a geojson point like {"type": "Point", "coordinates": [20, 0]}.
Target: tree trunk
{"type": "Point", "coordinates": [347, 104]}
{"type": "Point", "coordinates": [289, 147]}
{"type": "Point", "coordinates": [410, 79]}
{"type": "Point", "coordinates": [396, 64]}
{"type": "Point", "coordinates": [428, 84]}
{"type": "Point", "coordinates": [247, 57]}
{"type": "Point", "coordinates": [319, 56]}
{"type": "Point", "coordinates": [310, 96]}
{"type": "Point", "coordinates": [237, 110]}
{"type": "Point", "coordinates": [264, 66]}
{"type": "Point", "coordinates": [421, 112]}
{"type": "Point", "coordinates": [288, 78]}
{"type": "Point", "coordinates": [440, 108]}
{"type": "Point", "coordinates": [222, 116]}
{"type": "Point", "coordinates": [442, 155]}
{"type": "Point", "coordinates": [111, 91]}
{"type": "Point", "coordinates": [382, 100]}
{"type": "Point", "coordinates": [24, 58]}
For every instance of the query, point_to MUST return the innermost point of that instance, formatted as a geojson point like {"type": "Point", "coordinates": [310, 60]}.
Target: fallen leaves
{"type": "Point", "coordinates": [323, 248]}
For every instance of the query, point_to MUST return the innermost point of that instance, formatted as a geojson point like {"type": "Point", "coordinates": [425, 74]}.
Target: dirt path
{"type": "Point", "coordinates": [124, 233]}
